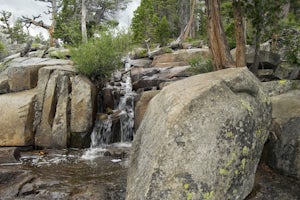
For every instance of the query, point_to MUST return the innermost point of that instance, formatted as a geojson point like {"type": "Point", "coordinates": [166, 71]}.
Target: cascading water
{"type": "Point", "coordinates": [118, 126]}
{"type": "Point", "coordinates": [127, 106]}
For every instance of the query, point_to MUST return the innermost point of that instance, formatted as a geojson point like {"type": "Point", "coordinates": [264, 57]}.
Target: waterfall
{"type": "Point", "coordinates": [118, 125]}
{"type": "Point", "coordinates": [127, 106]}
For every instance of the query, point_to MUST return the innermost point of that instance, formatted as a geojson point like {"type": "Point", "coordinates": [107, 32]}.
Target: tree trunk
{"type": "Point", "coordinates": [191, 20]}
{"type": "Point", "coordinates": [239, 35]}
{"type": "Point", "coordinates": [53, 24]}
{"type": "Point", "coordinates": [187, 29]}
{"type": "Point", "coordinates": [221, 56]}
{"type": "Point", "coordinates": [83, 22]}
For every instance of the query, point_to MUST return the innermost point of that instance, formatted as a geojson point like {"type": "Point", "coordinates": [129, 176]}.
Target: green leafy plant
{"type": "Point", "coordinates": [3, 50]}
{"type": "Point", "coordinates": [292, 53]}
{"type": "Point", "coordinates": [200, 66]}
{"type": "Point", "coordinates": [101, 56]}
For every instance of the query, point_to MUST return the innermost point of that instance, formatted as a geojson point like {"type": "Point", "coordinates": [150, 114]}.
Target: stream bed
{"type": "Point", "coordinates": [100, 174]}
{"type": "Point", "coordinates": [66, 174]}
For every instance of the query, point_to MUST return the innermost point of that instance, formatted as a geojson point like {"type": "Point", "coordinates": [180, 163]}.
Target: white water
{"type": "Point", "coordinates": [127, 107]}
{"type": "Point", "coordinates": [102, 134]}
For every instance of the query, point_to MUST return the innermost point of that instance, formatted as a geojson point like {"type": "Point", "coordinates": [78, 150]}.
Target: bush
{"type": "Point", "coordinates": [291, 42]}
{"type": "Point", "coordinates": [200, 66]}
{"type": "Point", "coordinates": [2, 51]}
{"type": "Point", "coordinates": [101, 56]}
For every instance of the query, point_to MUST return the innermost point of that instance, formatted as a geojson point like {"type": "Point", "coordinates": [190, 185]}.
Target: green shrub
{"type": "Point", "coordinates": [291, 42]}
{"type": "Point", "coordinates": [3, 51]}
{"type": "Point", "coordinates": [2, 47]}
{"type": "Point", "coordinates": [200, 66]}
{"type": "Point", "coordinates": [101, 56]}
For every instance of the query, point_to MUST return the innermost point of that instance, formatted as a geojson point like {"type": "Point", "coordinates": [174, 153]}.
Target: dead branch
{"type": "Point", "coordinates": [29, 21]}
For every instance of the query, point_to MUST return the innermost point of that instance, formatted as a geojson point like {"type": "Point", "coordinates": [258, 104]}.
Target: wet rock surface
{"type": "Point", "coordinates": [54, 174]}
{"type": "Point", "coordinates": [49, 175]}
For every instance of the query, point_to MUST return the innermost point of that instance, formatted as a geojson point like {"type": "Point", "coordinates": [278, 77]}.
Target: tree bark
{"type": "Point", "coordinates": [221, 56]}
{"type": "Point", "coordinates": [185, 32]}
{"type": "Point", "coordinates": [239, 35]}
{"type": "Point", "coordinates": [191, 20]}
{"type": "Point", "coordinates": [53, 24]}
{"type": "Point", "coordinates": [83, 21]}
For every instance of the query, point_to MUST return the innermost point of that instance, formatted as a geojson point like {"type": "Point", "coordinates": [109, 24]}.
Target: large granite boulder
{"type": "Point", "coordinates": [9, 155]}
{"type": "Point", "coordinates": [201, 138]}
{"type": "Point", "coordinates": [52, 128]}
{"type": "Point", "coordinates": [16, 119]}
{"type": "Point", "coordinates": [56, 112]}
{"type": "Point", "coordinates": [152, 77]}
{"type": "Point", "coordinates": [83, 110]}
{"type": "Point", "coordinates": [287, 70]}
{"type": "Point", "coordinates": [22, 73]}
{"type": "Point", "coordinates": [283, 148]}
{"type": "Point", "coordinates": [179, 58]}
{"type": "Point", "coordinates": [273, 88]}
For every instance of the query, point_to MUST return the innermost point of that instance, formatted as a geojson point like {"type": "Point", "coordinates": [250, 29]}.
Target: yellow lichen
{"type": "Point", "coordinates": [186, 186]}
{"type": "Point", "coordinates": [245, 150]}
{"type": "Point", "coordinates": [208, 195]}
{"type": "Point", "coordinates": [247, 105]}
{"type": "Point", "coordinates": [229, 134]}
{"type": "Point", "coordinates": [189, 196]}
{"type": "Point", "coordinates": [243, 163]}
{"type": "Point", "coordinates": [223, 171]}
{"type": "Point", "coordinates": [258, 132]}
{"type": "Point", "coordinates": [233, 158]}
{"type": "Point", "coordinates": [282, 82]}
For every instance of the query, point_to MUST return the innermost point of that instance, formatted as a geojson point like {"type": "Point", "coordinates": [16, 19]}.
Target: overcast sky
{"type": "Point", "coordinates": [32, 7]}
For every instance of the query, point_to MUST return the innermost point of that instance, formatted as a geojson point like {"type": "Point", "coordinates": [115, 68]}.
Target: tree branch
{"type": "Point", "coordinates": [29, 21]}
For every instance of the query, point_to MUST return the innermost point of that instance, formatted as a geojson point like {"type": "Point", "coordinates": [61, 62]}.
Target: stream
{"type": "Point", "coordinates": [64, 174]}
{"type": "Point", "coordinates": [98, 172]}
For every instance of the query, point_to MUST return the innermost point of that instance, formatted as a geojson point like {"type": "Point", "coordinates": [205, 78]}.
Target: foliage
{"type": "Point", "coordinates": [228, 23]}
{"type": "Point", "coordinates": [39, 39]}
{"type": "Point", "coordinates": [2, 47]}
{"type": "Point", "coordinates": [101, 56]}
{"type": "Point", "coordinates": [68, 20]}
{"type": "Point", "coordinates": [13, 32]}
{"type": "Point", "coordinates": [200, 66]}
{"type": "Point", "coordinates": [68, 23]}
{"type": "Point", "coordinates": [201, 18]}
{"type": "Point", "coordinates": [142, 21]}
{"type": "Point", "coordinates": [264, 15]}
{"type": "Point", "coordinates": [290, 21]}
{"type": "Point", "coordinates": [162, 32]}
{"type": "Point", "coordinates": [155, 19]}
{"type": "Point", "coordinates": [291, 41]}
{"type": "Point", "coordinates": [2, 50]}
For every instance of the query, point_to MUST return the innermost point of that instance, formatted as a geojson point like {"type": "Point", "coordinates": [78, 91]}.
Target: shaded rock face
{"type": "Point", "coordinates": [283, 147]}
{"type": "Point", "coordinates": [201, 138]}
{"type": "Point", "coordinates": [9, 155]}
{"type": "Point", "coordinates": [142, 105]}
{"type": "Point", "coordinates": [148, 78]}
{"type": "Point", "coordinates": [288, 71]}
